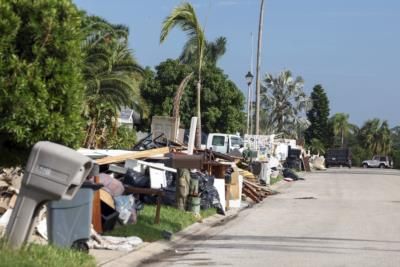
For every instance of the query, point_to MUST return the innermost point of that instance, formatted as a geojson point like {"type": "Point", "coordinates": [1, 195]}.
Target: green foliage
{"type": "Point", "coordinates": [318, 116]}
{"type": "Point", "coordinates": [111, 76]}
{"type": "Point", "coordinates": [171, 219]}
{"type": "Point", "coordinates": [395, 136]}
{"type": "Point", "coordinates": [41, 87]}
{"type": "Point", "coordinates": [221, 100]}
{"type": "Point", "coordinates": [341, 128]}
{"type": "Point", "coordinates": [184, 16]}
{"type": "Point", "coordinates": [359, 154]}
{"type": "Point", "coordinates": [43, 256]}
{"type": "Point", "coordinates": [124, 138]}
{"type": "Point", "coordinates": [283, 103]}
{"type": "Point", "coordinates": [376, 136]}
{"type": "Point", "coordinates": [396, 158]}
{"type": "Point", "coordinates": [213, 51]}
{"type": "Point", "coordinates": [277, 179]}
{"type": "Point", "coordinates": [316, 146]}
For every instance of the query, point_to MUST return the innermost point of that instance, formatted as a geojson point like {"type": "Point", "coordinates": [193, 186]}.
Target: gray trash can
{"type": "Point", "coordinates": [69, 221]}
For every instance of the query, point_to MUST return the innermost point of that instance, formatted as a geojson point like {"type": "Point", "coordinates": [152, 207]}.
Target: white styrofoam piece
{"type": "Point", "coordinates": [157, 166]}
{"type": "Point", "coordinates": [157, 178]}
{"type": "Point", "coordinates": [5, 217]}
{"type": "Point", "coordinates": [192, 135]}
{"type": "Point", "coordinates": [220, 186]}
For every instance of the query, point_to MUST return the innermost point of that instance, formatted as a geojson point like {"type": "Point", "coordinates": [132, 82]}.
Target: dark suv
{"type": "Point", "coordinates": [338, 157]}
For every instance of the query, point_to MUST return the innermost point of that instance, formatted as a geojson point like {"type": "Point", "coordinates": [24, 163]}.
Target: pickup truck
{"type": "Point", "coordinates": [378, 162]}
{"type": "Point", "coordinates": [224, 143]}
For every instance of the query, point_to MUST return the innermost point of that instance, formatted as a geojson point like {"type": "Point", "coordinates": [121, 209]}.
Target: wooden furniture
{"type": "Point", "coordinates": [148, 191]}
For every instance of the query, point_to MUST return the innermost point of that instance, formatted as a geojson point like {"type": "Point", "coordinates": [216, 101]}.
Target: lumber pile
{"type": "Point", "coordinates": [255, 191]}
{"type": "Point", "coordinates": [252, 188]}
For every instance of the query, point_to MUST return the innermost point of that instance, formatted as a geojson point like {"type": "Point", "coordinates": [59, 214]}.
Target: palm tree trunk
{"type": "Point", "coordinates": [91, 135]}
{"type": "Point", "coordinates": [342, 137]}
{"type": "Point", "coordinates": [258, 82]}
{"type": "Point", "coordinates": [198, 128]}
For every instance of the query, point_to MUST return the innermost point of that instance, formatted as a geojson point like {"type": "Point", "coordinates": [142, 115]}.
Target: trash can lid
{"type": "Point", "coordinates": [89, 184]}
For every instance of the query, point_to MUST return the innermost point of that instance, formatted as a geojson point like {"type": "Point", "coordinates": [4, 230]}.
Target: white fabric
{"type": "Point", "coordinates": [114, 243]}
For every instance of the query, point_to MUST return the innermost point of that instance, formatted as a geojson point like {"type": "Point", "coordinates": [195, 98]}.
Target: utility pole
{"type": "Point", "coordinates": [258, 82]}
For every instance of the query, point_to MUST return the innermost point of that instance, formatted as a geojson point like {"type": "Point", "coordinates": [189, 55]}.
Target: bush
{"type": "Point", "coordinates": [359, 154]}
{"type": "Point", "coordinates": [124, 138]}
{"type": "Point", "coordinates": [396, 158]}
{"type": "Point", "coordinates": [40, 74]}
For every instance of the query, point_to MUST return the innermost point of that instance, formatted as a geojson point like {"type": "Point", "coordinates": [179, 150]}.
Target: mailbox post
{"type": "Point", "coordinates": [52, 172]}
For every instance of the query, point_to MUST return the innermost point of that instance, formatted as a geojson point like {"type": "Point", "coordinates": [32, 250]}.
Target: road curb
{"type": "Point", "coordinates": [150, 250]}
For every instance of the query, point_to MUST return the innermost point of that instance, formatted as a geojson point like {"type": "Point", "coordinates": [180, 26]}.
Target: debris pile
{"type": "Point", "coordinates": [10, 183]}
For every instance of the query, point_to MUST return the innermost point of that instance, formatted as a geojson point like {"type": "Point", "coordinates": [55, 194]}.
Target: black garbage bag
{"type": "Point", "coordinates": [288, 173]}
{"type": "Point", "coordinates": [169, 197]}
{"type": "Point", "coordinates": [171, 179]}
{"type": "Point", "coordinates": [209, 197]}
{"type": "Point", "coordinates": [136, 179]}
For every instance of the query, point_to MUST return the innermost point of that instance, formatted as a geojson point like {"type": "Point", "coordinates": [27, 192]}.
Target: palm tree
{"type": "Point", "coordinates": [376, 136]}
{"type": "Point", "coordinates": [184, 16]}
{"type": "Point", "coordinates": [341, 126]}
{"type": "Point", "coordinates": [316, 146]}
{"type": "Point", "coordinates": [284, 102]}
{"type": "Point", "coordinates": [111, 75]}
{"type": "Point", "coordinates": [213, 51]}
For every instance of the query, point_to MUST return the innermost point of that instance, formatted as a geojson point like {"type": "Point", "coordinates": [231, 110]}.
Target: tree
{"type": "Point", "coordinates": [213, 51]}
{"type": "Point", "coordinates": [376, 136]}
{"type": "Point", "coordinates": [341, 126]}
{"type": "Point", "coordinates": [111, 75]}
{"type": "Point", "coordinates": [395, 136]}
{"type": "Point", "coordinates": [318, 116]}
{"type": "Point", "coordinates": [184, 16]}
{"type": "Point", "coordinates": [40, 74]}
{"type": "Point", "coordinates": [222, 100]}
{"type": "Point", "coordinates": [316, 146]}
{"type": "Point", "coordinates": [283, 101]}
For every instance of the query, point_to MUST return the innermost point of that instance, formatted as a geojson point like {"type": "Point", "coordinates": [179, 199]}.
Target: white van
{"type": "Point", "coordinates": [224, 143]}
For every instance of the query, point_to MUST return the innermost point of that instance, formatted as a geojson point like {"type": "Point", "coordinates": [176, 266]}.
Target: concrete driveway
{"type": "Point", "coordinates": [340, 217]}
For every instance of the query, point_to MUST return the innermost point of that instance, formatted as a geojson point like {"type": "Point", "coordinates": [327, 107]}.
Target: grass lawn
{"type": "Point", "coordinates": [171, 219]}
{"type": "Point", "coordinates": [43, 256]}
{"type": "Point", "coordinates": [275, 180]}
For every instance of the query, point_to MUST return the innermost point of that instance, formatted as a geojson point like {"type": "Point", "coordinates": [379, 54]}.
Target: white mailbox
{"type": "Point", "coordinates": [52, 172]}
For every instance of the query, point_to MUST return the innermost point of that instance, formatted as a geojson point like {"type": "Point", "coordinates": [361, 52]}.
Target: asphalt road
{"type": "Point", "coordinates": [341, 217]}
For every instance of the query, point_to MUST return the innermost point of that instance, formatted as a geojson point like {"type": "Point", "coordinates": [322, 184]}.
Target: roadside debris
{"type": "Point", "coordinates": [160, 171]}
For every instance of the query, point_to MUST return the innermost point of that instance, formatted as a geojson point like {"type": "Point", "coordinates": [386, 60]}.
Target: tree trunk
{"type": "Point", "coordinates": [198, 128]}
{"type": "Point", "coordinates": [91, 135]}
{"type": "Point", "coordinates": [342, 138]}
{"type": "Point", "coordinates": [258, 83]}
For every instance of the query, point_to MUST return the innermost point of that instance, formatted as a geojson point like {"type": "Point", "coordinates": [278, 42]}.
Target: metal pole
{"type": "Point", "coordinates": [258, 83]}
{"type": "Point", "coordinates": [248, 108]}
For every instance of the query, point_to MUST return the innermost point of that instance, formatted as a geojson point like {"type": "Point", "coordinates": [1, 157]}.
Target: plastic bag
{"type": "Point", "coordinates": [125, 205]}
{"type": "Point", "coordinates": [136, 179]}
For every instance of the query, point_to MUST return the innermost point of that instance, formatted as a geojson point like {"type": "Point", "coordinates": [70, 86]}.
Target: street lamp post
{"type": "Point", "coordinates": [249, 80]}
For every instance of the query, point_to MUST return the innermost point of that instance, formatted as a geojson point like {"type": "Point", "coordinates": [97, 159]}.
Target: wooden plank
{"type": "Point", "coordinates": [133, 155]}
{"type": "Point", "coordinates": [251, 189]}
{"type": "Point", "coordinates": [258, 187]}
{"type": "Point", "coordinates": [96, 209]}
{"type": "Point", "coordinates": [250, 195]}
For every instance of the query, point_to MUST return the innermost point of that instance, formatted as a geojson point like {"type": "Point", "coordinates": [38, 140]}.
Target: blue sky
{"type": "Point", "coordinates": [351, 47]}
